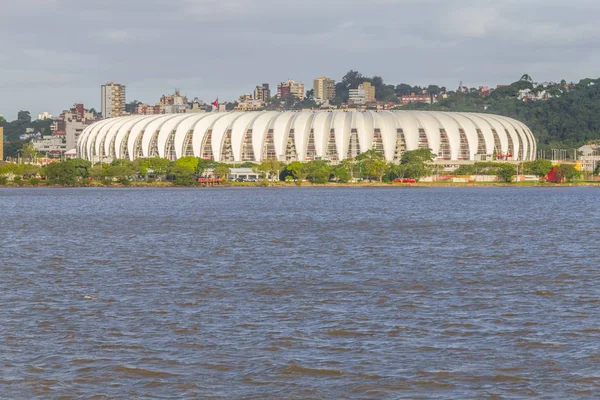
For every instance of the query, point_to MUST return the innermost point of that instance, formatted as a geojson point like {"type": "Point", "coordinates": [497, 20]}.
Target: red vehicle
{"type": "Point", "coordinates": [405, 180]}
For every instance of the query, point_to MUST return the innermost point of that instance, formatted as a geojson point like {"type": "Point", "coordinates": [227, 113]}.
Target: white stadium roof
{"type": "Point", "coordinates": [305, 135]}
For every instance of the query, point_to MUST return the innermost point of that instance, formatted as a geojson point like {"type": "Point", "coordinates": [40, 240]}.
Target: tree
{"type": "Point", "coordinates": [415, 163]}
{"type": "Point", "coordinates": [506, 172]}
{"type": "Point", "coordinates": [122, 172]}
{"type": "Point", "coordinates": [29, 170]}
{"type": "Point", "coordinates": [182, 174]}
{"type": "Point", "coordinates": [298, 170]}
{"type": "Point", "coordinates": [270, 168]}
{"type": "Point", "coordinates": [318, 171]}
{"type": "Point", "coordinates": [540, 167]}
{"type": "Point", "coordinates": [350, 164]}
{"type": "Point", "coordinates": [434, 89]}
{"type": "Point", "coordinates": [342, 174]}
{"type": "Point", "coordinates": [403, 89]}
{"type": "Point", "coordinates": [24, 117]}
{"type": "Point", "coordinates": [98, 172]}
{"type": "Point", "coordinates": [61, 173]}
{"type": "Point", "coordinates": [417, 156]}
{"type": "Point", "coordinates": [156, 165]}
{"type": "Point", "coordinates": [28, 152]}
{"type": "Point", "coordinates": [222, 171]}
{"type": "Point", "coordinates": [568, 172]}
{"type": "Point", "coordinates": [188, 164]}
{"type": "Point", "coordinates": [131, 107]}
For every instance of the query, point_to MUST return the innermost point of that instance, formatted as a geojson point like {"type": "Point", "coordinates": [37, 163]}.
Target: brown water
{"type": "Point", "coordinates": [300, 293]}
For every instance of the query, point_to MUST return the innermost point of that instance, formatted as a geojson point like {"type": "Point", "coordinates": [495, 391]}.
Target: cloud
{"type": "Point", "coordinates": [55, 53]}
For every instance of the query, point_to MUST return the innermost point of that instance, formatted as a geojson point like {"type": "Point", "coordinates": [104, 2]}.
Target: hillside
{"type": "Point", "coordinates": [569, 120]}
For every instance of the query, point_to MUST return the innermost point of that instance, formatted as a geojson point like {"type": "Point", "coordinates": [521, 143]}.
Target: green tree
{"type": "Point", "coordinates": [182, 174]}
{"type": "Point", "coordinates": [342, 174]}
{"type": "Point", "coordinates": [61, 173]}
{"type": "Point", "coordinates": [270, 168]}
{"type": "Point", "coordinates": [188, 164]}
{"type": "Point", "coordinates": [28, 152]}
{"type": "Point", "coordinates": [506, 172]}
{"type": "Point", "coordinates": [298, 170]}
{"type": "Point", "coordinates": [568, 172]}
{"type": "Point", "coordinates": [222, 171]}
{"type": "Point", "coordinates": [98, 172]}
{"type": "Point", "coordinates": [318, 171]}
{"type": "Point", "coordinates": [24, 117]}
{"type": "Point", "coordinates": [122, 172]}
{"type": "Point", "coordinates": [540, 167]}
{"type": "Point", "coordinates": [416, 163]}
{"type": "Point", "coordinates": [28, 170]}
{"type": "Point", "coordinates": [351, 165]}
{"type": "Point", "coordinates": [81, 166]}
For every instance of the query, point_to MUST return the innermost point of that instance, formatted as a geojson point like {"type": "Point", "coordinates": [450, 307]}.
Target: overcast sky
{"type": "Point", "coordinates": [55, 53]}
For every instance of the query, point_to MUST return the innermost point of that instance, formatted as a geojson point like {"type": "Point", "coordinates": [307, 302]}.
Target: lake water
{"type": "Point", "coordinates": [333, 293]}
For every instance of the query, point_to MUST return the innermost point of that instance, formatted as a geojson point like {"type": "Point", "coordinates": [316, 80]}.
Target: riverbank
{"type": "Point", "coordinates": [42, 184]}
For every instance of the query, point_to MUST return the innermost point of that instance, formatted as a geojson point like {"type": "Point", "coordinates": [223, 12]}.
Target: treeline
{"type": "Point", "coordinates": [185, 171]}
{"type": "Point", "coordinates": [14, 129]}
{"type": "Point", "coordinates": [568, 120]}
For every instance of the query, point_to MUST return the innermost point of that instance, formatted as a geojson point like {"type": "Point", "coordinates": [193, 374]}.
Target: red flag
{"type": "Point", "coordinates": [215, 103]}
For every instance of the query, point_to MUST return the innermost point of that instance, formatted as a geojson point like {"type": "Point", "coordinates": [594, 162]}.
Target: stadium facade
{"type": "Point", "coordinates": [307, 135]}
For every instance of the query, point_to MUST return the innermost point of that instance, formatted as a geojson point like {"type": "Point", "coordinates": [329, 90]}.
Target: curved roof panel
{"type": "Point", "coordinates": [107, 138]}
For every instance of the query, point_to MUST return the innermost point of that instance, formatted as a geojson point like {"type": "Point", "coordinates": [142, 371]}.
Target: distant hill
{"type": "Point", "coordinates": [568, 119]}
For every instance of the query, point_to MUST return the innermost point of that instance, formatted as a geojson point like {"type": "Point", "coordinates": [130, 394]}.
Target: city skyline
{"type": "Point", "coordinates": [420, 43]}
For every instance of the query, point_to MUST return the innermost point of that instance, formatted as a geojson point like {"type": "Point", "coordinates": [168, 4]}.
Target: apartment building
{"type": "Point", "coordinates": [290, 87]}
{"type": "Point", "coordinates": [324, 89]}
{"type": "Point", "coordinates": [112, 100]}
{"type": "Point", "coordinates": [365, 93]}
{"type": "Point", "coordinates": [262, 93]}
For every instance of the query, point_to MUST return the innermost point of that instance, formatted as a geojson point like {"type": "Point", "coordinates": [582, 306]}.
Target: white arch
{"type": "Point", "coordinates": [137, 130]}
{"type": "Point", "coordinates": [220, 128]}
{"type": "Point", "coordinates": [183, 129]}
{"type": "Point", "coordinates": [200, 129]}
{"type": "Point", "coordinates": [260, 128]}
{"type": "Point", "coordinates": [165, 131]}
{"type": "Point", "coordinates": [321, 127]}
{"type": "Point", "coordinates": [388, 129]}
{"type": "Point", "coordinates": [238, 132]}
{"type": "Point", "coordinates": [123, 131]}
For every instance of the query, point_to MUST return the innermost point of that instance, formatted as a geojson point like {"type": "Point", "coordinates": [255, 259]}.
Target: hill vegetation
{"type": "Point", "coordinates": [569, 118]}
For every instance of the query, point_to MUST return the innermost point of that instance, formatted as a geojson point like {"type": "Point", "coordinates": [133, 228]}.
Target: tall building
{"type": "Point", "coordinates": [369, 91]}
{"type": "Point", "coordinates": [262, 93]}
{"type": "Point", "coordinates": [291, 87]}
{"type": "Point", "coordinates": [365, 93]}
{"type": "Point", "coordinates": [1, 143]}
{"type": "Point", "coordinates": [113, 100]}
{"type": "Point", "coordinates": [324, 89]}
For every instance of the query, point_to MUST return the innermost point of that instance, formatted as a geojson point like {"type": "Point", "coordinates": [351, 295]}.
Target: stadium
{"type": "Point", "coordinates": [307, 135]}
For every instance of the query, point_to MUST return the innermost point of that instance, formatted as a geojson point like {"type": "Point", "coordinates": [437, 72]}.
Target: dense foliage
{"type": "Point", "coordinates": [568, 120]}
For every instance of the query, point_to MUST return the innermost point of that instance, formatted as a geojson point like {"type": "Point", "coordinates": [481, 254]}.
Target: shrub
{"type": "Point", "coordinates": [107, 182]}
{"type": "Point", "coordinates": [34, 181]}
{"type": "Point", "coordinates": [17, 180]}
{"type": "Point", "coordinates": [3, 180]}
{"type": "Point", "coordinates": [185, 180]}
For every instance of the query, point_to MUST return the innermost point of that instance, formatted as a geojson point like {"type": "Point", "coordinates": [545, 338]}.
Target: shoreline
{"type": "Point", "coordinates": [160, 185]}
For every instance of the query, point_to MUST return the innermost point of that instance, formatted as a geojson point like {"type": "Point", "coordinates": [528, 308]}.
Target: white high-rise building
{"type": "Point", "coordinates": [113, 100]}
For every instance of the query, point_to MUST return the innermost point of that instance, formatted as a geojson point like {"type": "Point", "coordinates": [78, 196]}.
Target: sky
{"type": "Point", "coordinates": [54, 53]}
